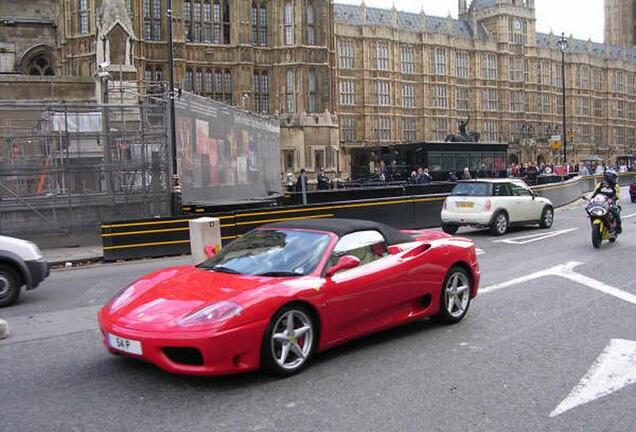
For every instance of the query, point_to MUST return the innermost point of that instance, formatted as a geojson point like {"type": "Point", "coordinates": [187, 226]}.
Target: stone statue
{"type": "Point", "coordinates": [464, 135]}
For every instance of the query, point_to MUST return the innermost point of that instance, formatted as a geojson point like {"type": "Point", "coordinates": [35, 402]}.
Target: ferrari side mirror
{"type": "Point", "coordinates": [209, 250]}
{"type": "Point", "coordinates": [346, 262]}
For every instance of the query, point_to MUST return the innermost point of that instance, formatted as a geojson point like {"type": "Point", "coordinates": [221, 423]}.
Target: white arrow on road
{"type": "Point", "coordinates": [614, 369]}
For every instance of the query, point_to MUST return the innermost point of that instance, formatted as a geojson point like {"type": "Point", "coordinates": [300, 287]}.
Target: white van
{"type": "Point", "coordinates": [21, 264]}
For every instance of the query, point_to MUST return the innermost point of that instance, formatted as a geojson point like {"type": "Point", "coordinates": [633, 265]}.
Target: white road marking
{"type": "Point", "coordinates": [535, 237]}
{"type": "Point", "coordinates": [629, 216]}
{"type": "Point", "coordinates": [480, 251]}
{"type": "Point", "coordinates": [566, 271]}
{"type": "Point", "coordinates": [614, 369]}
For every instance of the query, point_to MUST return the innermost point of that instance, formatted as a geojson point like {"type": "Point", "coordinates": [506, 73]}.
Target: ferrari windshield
{"type": "Point", "coordinates": [271, 253]}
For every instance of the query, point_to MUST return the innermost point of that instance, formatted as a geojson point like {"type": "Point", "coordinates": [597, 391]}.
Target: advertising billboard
{"type": "Point", "coordinates": [224, 154]}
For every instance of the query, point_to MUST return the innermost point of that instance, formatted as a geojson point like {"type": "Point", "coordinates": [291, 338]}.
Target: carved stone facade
{"type": "Point", "coordinates": [391, 77]}
{"type": "Point", "coordinates": [620, 27]}
{"type": "Point", "coordinates": [273, 57]}
{"type": "Point", "coordinates": [404, 77]}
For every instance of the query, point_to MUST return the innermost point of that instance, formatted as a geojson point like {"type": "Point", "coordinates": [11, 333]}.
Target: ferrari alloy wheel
{"type": "Point", "coordinates": [9, 286]}
{"type": "Point", "coordinates": [455, 298]}
{"type": "Point", "coordinates": [499, 226]}
{"type": "Point", "coordinates": [290, 341]}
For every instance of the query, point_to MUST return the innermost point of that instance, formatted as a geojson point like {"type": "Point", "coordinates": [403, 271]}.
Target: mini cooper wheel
{"type": "Point", "coordinates": [547, 217]}
{"type": "Point", "coordinates": [9, 286]}
{"type": "Point", "coordinates": [290, 342]}
{"type": "Point", "coordinates": [455, 297]}
{"type": "Point", "coordinates": [499, 225]}
{"type": "Point", "coordinates": [450, 229]}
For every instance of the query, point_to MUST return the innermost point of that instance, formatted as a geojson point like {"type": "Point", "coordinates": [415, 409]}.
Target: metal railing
{"type": "Point", "coordinates": [66, 167]}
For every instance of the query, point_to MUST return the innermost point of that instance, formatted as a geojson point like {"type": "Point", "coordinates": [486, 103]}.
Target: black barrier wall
{"type": "Point", "coordinates": [150, 238]}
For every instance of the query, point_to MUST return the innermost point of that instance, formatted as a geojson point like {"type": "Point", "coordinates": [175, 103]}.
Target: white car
{"type": "Point", "coordinates": [21, 264]}
{"type": "Point", "coordinates": [496, 204]}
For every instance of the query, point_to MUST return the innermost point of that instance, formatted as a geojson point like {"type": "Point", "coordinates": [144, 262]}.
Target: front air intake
{"type": "Point", "coordinates": [184, 356]}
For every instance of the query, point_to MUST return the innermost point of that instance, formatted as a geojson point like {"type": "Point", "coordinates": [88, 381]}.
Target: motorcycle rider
{"type": "Point", "coordinates": [610, 188]}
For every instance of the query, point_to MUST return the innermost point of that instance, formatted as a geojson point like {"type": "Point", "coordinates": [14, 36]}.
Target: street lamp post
{"type": "Point", "coordinates": [563, 46]}
{"type": "Point", "coordinates": [175, 196]}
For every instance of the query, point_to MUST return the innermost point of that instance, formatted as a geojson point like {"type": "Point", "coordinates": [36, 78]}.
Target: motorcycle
{"type": "Point", "coordinates": [604, 224]}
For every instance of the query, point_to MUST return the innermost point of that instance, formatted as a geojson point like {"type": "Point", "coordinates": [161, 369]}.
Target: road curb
{"type": "Point", "coordinates": [58, 264]}
{"type": "Point", "coordinates": [4, 329]}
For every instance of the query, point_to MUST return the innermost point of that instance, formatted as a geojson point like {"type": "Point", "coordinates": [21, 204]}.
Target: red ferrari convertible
{"type": "Point", "coordinates": [285, 291]}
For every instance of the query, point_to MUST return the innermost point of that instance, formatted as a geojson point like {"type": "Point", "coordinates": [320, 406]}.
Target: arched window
{"type": "Point", "coordinates": [198, 81]}
{"type": "Point", "coordinates": [188, 80]}
{"type": "Point", "coordinates": [259, 23]}
{"type": "Point", "coordinates": [82, 16]}
{"type": "Point", "coordinates": [289, 23]}
{"type": "Point", "coordinates": [311, 25]}
{"type": "Point", "coordinates": [148, 75]}
{"type": "Point", "coordinates": [41, 65]}
{"type": "Point", "coordinates": [209, 87]}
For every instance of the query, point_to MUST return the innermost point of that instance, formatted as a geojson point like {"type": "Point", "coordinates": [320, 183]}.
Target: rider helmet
{"type": "Point", "coordinates": [610, 177]}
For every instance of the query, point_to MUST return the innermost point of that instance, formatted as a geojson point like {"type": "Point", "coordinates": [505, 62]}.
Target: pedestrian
{"type": "Point", "coordinates": [413, 178]}
{"type": "Point", "coordinates": [428, 176]}
{"type": "Point", "coordinates": [323, 181]}
{"type": "Point", "coordinates": [289, 182]}
{"type": "Point", "coordinates": [452, 177]}
{"type": "Point", "coordinates": [466, 174]}
{"type": "Point", "coordinates": [301, 183]}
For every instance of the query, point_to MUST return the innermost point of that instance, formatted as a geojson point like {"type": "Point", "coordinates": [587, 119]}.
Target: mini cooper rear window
{"type": "Point", "coordinates": [472, 189]}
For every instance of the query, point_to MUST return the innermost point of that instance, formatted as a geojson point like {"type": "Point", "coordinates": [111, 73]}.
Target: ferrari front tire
{"type": "Point", "coordinates": [290, 341]}
{"type": "Point", "coordinates": [455, 296]}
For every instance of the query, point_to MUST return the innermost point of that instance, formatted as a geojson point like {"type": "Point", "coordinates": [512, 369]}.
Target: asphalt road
{"type": "Point", "coordinates": [519, 353]}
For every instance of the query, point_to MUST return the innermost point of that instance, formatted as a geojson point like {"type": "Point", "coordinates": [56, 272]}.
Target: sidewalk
{"type": "Point", "coordinates": [58, 257]}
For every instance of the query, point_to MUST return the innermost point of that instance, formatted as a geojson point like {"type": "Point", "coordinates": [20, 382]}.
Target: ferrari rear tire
{"type": "Point", "coordinates": [450, 229]}
{"type": "Point", "coordinates": [9, 286]}
{"type": "Point", "coordinates": [290, 341]}
{"type": "Point", "coordinates": [455, 296]}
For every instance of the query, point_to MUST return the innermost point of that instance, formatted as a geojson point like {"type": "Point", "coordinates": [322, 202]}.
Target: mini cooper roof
{"type": "Point", "coordinates": [342, 227]}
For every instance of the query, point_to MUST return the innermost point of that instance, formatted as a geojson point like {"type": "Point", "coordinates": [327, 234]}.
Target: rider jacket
{"type": "Point", "coordinates": [613, 193]}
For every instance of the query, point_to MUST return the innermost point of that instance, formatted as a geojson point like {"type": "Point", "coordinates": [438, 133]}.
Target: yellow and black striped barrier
{"type": "Point", "coordinates": [170, 236]}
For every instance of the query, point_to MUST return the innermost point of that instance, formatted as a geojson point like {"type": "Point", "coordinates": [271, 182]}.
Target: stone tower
{"type": "Point", "coordinates": [620, 27]}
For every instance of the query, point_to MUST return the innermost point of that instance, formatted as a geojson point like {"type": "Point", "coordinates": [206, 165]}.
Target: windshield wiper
{"type": "Point", "coordinates": [280, 274]}
{"type": "Point", "coordinates": [221, 269]}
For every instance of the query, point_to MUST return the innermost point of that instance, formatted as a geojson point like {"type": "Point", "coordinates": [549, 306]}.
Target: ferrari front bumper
{"type": "Point", "coordinates": [194, 352]}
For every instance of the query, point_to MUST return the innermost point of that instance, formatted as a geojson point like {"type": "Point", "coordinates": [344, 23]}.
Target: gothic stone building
{"type": "Point", "coordinates": [391, 77]}
{"type": "Point", "coordinates": [412, 77]}
{"type": "Point", "coordinates": [620, 22]}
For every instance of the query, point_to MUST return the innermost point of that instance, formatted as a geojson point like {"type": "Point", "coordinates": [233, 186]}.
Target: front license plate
{"type": "Point", "coordinates": [126, 345]}
{"type": "Point", "coordinates": [465, 204]}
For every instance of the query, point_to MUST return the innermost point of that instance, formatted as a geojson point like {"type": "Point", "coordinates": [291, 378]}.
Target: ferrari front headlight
{"type": "Point", "coordinates": [215, 312]}
{"type": "Point", "coordinates": [122, 298]}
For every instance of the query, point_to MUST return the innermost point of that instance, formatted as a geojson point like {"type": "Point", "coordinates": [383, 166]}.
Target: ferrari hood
{"type": "Point", "coordinates": [170, 294]}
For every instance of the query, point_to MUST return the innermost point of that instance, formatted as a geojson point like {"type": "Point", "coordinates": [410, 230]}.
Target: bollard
{"type": "Point", "coordinates": [204, 231]}
{"type": "Point", "coordinates": [4, 329]}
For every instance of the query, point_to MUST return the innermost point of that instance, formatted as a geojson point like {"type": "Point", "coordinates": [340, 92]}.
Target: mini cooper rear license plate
{"type": "Point", "coordinates": [465, 204]}
{"type": "Point", "coordinates": [125, 345]}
